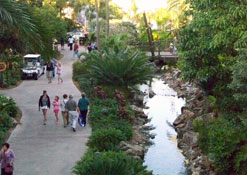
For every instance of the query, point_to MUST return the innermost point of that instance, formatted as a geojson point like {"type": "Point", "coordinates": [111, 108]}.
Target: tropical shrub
{"type": "Point", "coordinates": [225, 145]}
{"type": "Point", "coordinates": [217, 60]}
{"type": "Point", "coordinates": [79, 69]}
{"type": "Point", "coordinates": [8, 109]}
{"type": "Point", "coordinates": [105, 139]}
{"type": "Point", "coordinates": [118, 66]}
{"type": "Point", "coordinates": [239, 83]}
{"type": "Point", "coordinates": [8, 106]}
{"type": "Point", "coordinates": [99, 120]}
{"type": "Point", "coordinates": [106, 163]}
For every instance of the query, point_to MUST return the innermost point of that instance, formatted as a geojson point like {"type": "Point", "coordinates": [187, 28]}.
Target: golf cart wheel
{"type": "Point", "coordinates": [36, 76]}
{"type": "Point", "coordinates": [23, 77]}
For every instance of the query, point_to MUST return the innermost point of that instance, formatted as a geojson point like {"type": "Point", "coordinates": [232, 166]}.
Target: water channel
{"type": "Point", "coordinates": [163, 157]}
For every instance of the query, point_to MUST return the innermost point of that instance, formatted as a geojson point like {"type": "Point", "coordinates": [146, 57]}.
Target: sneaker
{"type": "Point", "coordinates": [74, 130]}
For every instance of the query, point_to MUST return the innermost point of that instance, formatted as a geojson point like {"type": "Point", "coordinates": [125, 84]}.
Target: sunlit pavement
{"type": "Point", "coordinates": [50, 149]}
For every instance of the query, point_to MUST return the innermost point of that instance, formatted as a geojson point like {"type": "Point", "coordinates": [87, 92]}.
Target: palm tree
{"type": "Point", "coordinates": [177, 9]}
{"type": "Point", "coordinates": [97, 23]}
{"type": "Point", "coordinates": [16, 26]}
{"type": "Point", "coordinates": [107, 19]}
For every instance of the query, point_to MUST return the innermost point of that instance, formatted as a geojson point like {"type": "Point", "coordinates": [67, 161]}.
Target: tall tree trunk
{"type": "Point", "coordinates": [97, 24]}
{"type": "Point", "coordinates": [150, 36]}
{"type": "Point", "coordinates": [107, 19]}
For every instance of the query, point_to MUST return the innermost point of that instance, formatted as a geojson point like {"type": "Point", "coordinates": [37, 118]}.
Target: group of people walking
{"type": "Point", "coordinates": [51, 69]}
{"type": "Point", "coordinates": [73, 45]}
{"type": "Point", "coordinates": [71, 111]}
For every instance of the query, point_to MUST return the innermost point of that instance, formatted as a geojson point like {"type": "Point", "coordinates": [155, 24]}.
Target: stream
{"type": "Point", "coordinates": [163, 157]}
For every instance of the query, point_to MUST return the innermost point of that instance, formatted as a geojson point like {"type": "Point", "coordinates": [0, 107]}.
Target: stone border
{"type": "Point", "coordinates": [197, 108]}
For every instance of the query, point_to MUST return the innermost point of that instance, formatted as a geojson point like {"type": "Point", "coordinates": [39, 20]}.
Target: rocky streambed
{"type": "Point", "coordinates": [163, 157]}
{"type": "Point", "coordinates": [197, 108]}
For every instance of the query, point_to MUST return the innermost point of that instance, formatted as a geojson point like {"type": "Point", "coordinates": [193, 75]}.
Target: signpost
{"type": "Point", "coordinates": [3, 67]}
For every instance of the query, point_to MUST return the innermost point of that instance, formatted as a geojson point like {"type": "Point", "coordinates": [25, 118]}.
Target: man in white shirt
{"type": "Point", "coordinates": [71, 41]}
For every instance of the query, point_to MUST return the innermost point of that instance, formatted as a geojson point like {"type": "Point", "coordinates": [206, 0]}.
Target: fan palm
{"type": "Point", "coordinates": [16, 26]}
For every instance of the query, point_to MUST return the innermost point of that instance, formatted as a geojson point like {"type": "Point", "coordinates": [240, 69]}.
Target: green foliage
{"type": "Point", "coordinates": [24, 29]}
{"type": "Point", "coordinates": [79, 69]}
{"type": "Point", "coordinates": [197, 125]}
{"type": "Point", "coordinates": [8, 109]}
{"type": "Point", "coordinates": [217, 60]}
{"type": "Point", "coordinates": [105, 139]}
{"type": "Point", "coordinates": [224, 141]}
{"type": "Point", "coordinates": [239, 82]}
{"type": "Point", "coordinates": [118, 66]}
{"type": "Point", "coordinates": [100, 121]}
{"type": "Point", "coordinates": [53, 27]}
{"type": "Point", "coordinates": [107, 163]}
{"type": "Point", "coordinates": [208, 56]}
{"type": "Point", "coordinates": [8, 106]}
{"type": "Point", "coordinates": [17, 26]}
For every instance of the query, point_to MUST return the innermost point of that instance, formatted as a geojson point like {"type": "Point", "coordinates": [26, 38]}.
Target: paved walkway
{"type": "Point", "coordinates": [50, 149]}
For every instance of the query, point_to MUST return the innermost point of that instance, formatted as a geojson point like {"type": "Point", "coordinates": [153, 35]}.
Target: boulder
{"type": "Point", "coordinates": [190, 138]}
{"type": "Point", "coordinates": [139, 113]}
{"type": "Point", "coordinates": [184, 117]}
{"type": "Point", "coordinates": [139, 98]}
{"type": "Point", "coordinates": [135, 150]}
{"type": "Point", "coordinates": [151, 93]}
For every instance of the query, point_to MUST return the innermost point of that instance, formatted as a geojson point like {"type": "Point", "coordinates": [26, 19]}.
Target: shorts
{"type": "Point", "coordinates": [49, 74]}
{"type": "Point", "coordinates": [44, 107]}
{"type": "Point", "coordinates": [59, 75]}
{"type": "Point", "coordinates": [56, 111]}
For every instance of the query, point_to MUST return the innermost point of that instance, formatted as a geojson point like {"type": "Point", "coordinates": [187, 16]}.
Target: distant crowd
{"type": "Point", "coordinates": [74, 45]}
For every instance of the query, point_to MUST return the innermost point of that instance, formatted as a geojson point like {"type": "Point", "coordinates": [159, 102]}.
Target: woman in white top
{"type": "Point", "coordinates": [63, 110]}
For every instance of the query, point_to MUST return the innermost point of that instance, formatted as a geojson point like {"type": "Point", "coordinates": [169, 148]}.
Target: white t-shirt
{"type": "Point", "coordinates": [63, 103]}
{"type": "Point", "coordinates": [71, 40]}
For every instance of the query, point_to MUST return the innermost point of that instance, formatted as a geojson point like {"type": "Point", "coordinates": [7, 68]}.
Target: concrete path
{"type": "Point", "coordinates": [50, 149]}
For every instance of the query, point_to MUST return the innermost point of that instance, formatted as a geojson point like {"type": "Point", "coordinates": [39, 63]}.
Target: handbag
{"type": "Point", "coordinates": [8, 169]}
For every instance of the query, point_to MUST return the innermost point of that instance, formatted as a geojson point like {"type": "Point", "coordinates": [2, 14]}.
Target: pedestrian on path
{"type": "Point", "coordinates": [89, 47]}
{"type": "Point", "coordinates": [56, 105]}
{"type": "Point", "coordinates": [7, 158]}
{"type": "Point", "coordinates": [44, 104]}
{"type": "Point", "coordinates": [83, 104]}
{"type": "Point", "coordinates": [71, 107]}
{"type": "Point", "coordinates": [59, 73]}
{"type": "Point", "coordinates": [64, 112]}
{"type": "Point", "coordinates": [76, 50]}
{"type": "Point", "coordinates": [49, 72]}
{"type": "Point", "coordinates": [62, 43]}
{"type": "Point", "coordinates": [71, 41]}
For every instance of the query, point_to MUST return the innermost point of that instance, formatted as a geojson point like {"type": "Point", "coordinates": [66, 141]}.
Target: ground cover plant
{"type": "Point", "coordinates": [8, 110]}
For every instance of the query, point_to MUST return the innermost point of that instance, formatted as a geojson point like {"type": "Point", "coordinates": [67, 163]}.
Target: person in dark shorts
{"type": "Point", "coordinates": [62, 43]}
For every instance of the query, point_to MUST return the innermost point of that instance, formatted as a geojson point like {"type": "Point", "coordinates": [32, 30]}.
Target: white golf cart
{"type": "Point", "coordinates": [33, 66]}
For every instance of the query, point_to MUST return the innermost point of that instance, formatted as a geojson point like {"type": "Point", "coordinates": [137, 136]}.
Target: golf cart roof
{"type": "Point", "coordinates": [32, 56]}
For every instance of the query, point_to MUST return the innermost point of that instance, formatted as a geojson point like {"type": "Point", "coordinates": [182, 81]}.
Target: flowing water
{"type": "Point", "coordinates": [163, 157]}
